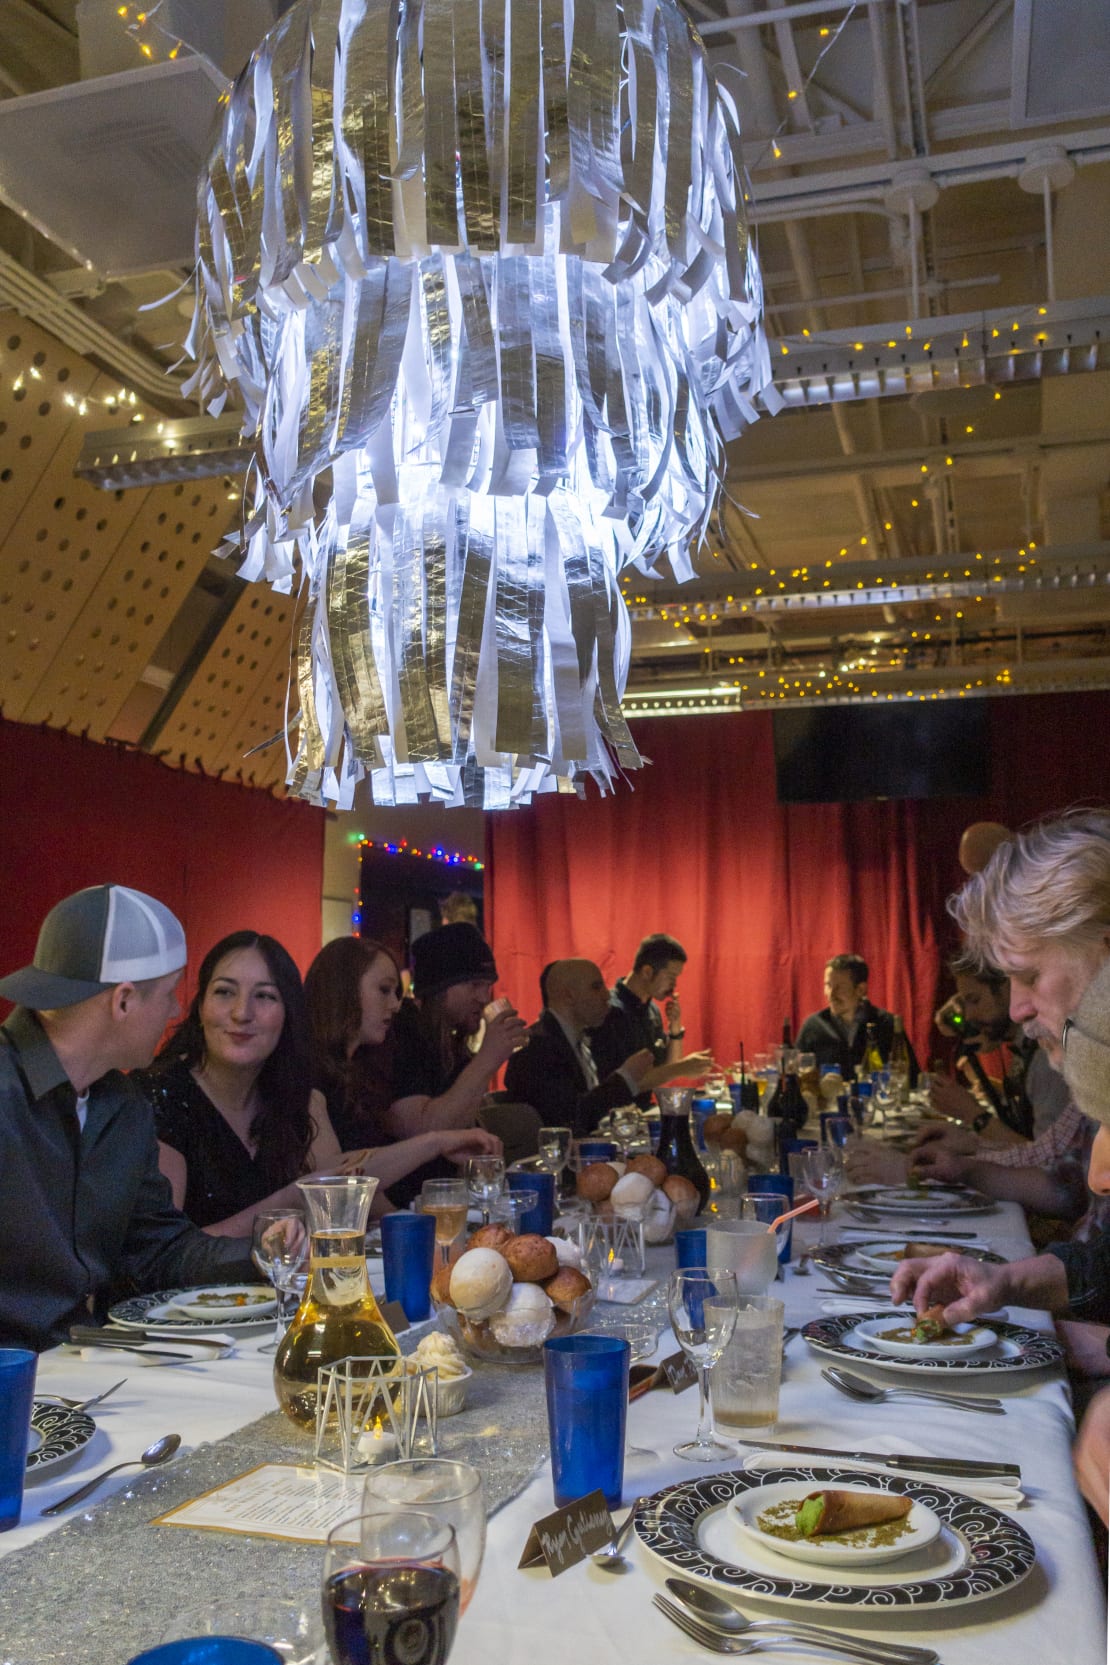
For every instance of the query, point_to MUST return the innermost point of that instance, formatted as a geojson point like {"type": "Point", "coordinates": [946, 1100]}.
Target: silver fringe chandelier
{"type": "Point", "coordinates": [479, 274]}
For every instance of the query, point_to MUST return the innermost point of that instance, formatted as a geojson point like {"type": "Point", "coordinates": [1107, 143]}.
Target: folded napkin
{"type": "Point", "coordinates": [153, 1352]}
{"type": "Point", "coordinates": [1000, 1493]}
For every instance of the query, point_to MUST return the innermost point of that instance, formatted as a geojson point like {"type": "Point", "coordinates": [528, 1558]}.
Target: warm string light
{"type": "Point", "coordinates": [149, 35]}
{"type": "Point", "coordinates": [80, 403]}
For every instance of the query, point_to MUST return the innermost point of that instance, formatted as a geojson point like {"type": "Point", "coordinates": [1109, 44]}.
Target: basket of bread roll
{"type": "Point", "coordinates": [506, 1295]}
{"type": "Point", "coordinates": [640, 1189]}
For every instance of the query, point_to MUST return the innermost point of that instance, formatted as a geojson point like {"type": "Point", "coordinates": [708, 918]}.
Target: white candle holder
{"type": "Point", "coordinates": [371, 1411]}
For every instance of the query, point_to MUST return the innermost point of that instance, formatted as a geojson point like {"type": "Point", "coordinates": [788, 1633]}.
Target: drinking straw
{"type": "Point", "coordinates": [802, 1208]}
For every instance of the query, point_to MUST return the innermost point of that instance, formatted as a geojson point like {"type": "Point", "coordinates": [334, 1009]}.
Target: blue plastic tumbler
{"type": "Point", "coordinates": [689, 1247]}
{"type": "Point", "coordinates": [209, 1650]}
{"type": "Point", "coordinates": [586, 1377]}
{"type": "Point", "coordinates": [541, 1218]}
{"type": "Point", "coordinates": [17, 1392]}
{"type": "Point", "coordinates": [408, 1255]}
{"type": "Point", "coordinates": [596, 1150]}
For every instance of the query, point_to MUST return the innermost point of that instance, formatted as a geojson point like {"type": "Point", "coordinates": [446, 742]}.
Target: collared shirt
{"type": "Point", "coordinates": [84, 1211]}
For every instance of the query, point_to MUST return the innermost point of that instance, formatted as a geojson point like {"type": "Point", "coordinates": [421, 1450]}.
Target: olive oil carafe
{"type": "Point", "coordinates": [338, 1317]}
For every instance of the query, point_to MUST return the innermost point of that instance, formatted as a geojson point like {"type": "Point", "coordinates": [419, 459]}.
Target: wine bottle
{"type": "Point", "coordinates": [871, 1059]}
{"type": "Point", "coordinates": [899, 1064]}
{"type": "Point", "coordinates": [676, 1151]}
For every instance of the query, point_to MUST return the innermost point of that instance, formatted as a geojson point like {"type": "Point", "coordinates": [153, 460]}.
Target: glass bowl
{"type": "Point", "coordinates": [477, 1342]}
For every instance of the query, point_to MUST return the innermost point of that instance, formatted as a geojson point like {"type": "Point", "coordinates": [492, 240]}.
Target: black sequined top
{"type": "Point", "coordinates": [223, 1177]}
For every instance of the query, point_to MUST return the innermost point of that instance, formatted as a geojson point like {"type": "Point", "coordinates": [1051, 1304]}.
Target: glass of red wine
{"type": "Point", "coordinates": [391, 1589]}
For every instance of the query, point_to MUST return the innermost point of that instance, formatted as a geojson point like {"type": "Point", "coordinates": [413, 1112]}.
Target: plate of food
{"type": "Point", "coordinates": [694, 1528]}
{"type": "Point", "coordinates": [880, 1256]}
{"type": "Point", "coordinates": [925, 1199]}
{"type": "Point", "coordinates": [851, 1526]}
{"type": "Point", "coordinates": [927, 1337]}
{"type": "Point", "coordinates": [57, 1435]}
{"type": "Point", "coordinates": [164, 1309]}
{"type": "Point", "coordinates": [851, 1335]}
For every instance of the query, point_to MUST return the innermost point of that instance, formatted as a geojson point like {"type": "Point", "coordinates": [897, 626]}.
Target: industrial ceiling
{"type": "Point", "coordinates": [926, 515]}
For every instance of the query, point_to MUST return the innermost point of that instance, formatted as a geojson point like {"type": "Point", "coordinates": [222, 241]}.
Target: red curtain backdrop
{"type": "Point", "coordinates": [762, 893]}
{"type": "Point", "coordinates": [223, 857]}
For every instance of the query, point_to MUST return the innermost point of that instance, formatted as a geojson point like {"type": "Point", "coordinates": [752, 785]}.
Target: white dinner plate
{"type": "Point", "coordinates": [1016, 1348]}
{"type": "Point", "coordinates": [976, 1338]}
{"type": "Point", "coordinates": [233, 1300]}
{"type": "Point", "coordinates": [863, 1548]}
{"type": "Point", "coordinates": [161, 1310]}
{"type": "Point", "coordinates": [977, 1553]}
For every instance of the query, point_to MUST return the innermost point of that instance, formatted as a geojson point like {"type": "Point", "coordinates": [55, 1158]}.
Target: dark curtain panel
{"type": "Point", "coordinates": [760, 893]}
{"type": "Point", "coordinates": [223, 857]}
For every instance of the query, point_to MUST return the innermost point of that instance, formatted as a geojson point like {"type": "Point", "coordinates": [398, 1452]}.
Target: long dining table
{"type": "Point", "coordinates": [77, 1589]}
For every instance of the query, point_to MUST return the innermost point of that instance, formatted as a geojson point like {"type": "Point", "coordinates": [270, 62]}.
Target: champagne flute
{"type": "Point", "coordinates": [391, 1589]}
{"type": "Point", "coordinates": [445, 1487]}
{"type": "Point", "coordinates": [447, 1200]}
{"type": "Point", "coordinates": [485, 1179]}
{"type": "Point", "coordinates": [279, 1248]}
{"type": "Point", "coordinates": [823, 1177]}
{"type": "Point", "coordinates": [702, 1307]}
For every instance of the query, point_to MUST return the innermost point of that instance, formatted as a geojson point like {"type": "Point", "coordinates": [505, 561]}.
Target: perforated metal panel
{"type": "Point", "coordinates": [237, 695]}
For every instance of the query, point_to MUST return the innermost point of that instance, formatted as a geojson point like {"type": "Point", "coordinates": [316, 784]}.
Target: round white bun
{"type": "Point", "coordinates": [660, 1220]}
{"type": "Point", "coordinates": [526, 1320]}
{"type": "Point", "coordinates": [633, 1192]}
{"type": "Point", "coordinates": [568, 1254]}
{"type": "Point", "coordinates": [480, 1282]}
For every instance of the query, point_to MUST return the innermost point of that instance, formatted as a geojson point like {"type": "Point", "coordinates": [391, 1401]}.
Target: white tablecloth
{"type": "Point", "coordinates": [527, 1618]}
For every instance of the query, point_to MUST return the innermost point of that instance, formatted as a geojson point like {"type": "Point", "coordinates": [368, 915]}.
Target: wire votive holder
{"type": "Point", "coordinates": [371, 1411]}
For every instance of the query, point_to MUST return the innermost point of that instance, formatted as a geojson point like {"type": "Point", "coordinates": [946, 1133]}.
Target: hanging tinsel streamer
{"type": "Point", "coordinates": [480, 274]}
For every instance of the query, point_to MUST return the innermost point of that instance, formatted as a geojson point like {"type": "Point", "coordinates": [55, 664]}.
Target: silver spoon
{"type": "Point", "coordinates": [856, 1388]}
{"type": "Point", "coordinates": [727, 1620]}
{"type": "Point", "coordinates": [154, 1454]}
{"type": "Point", "coordinates": [609, 1557]}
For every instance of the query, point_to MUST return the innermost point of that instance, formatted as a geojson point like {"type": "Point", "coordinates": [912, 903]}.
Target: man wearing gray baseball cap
{"type": "Point", "coordinates": [84, 1210]}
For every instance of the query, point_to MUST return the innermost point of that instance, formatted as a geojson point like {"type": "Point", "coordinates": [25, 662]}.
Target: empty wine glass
{"type": "Point", "coordinates": [485, 1180]}
{"type": "Point", "coordinates": [823, 1177]}
{"type": "Point", "coordinates": [279, 1248]}
{"type": "Point", "coordinates": [446, 1199]}
{"type": "Point", "coordinates": [391, 1588]}
{"type": "Point", "coordinates": [441, 1486]}
{"type": "Point", "coordinates": [702, 1308]}
{"type": "Point", "coordinates": [554, 1149]}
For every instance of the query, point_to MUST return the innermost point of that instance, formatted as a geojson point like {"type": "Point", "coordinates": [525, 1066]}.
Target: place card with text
{"type": "Point", "coordinates": [569, 1535]}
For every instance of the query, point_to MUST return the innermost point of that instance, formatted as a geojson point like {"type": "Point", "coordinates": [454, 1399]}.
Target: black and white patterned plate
{"type": "Point", "coordinates": [924, 1201]}
{"type": "Point", "coordinates": [856, 1257]}
{"type": "Point", "coordinates": [979, 1553]}
{"type": "Point", "coordinates": [57, 1435]}
{"type": "Point", "coordinates": [141, 1311]}
{"type": "Point", "coordinates": [1016, 1349]}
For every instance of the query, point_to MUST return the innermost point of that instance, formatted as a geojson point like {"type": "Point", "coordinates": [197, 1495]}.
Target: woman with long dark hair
{"type": "Point", "coordinates": [237, 1118]}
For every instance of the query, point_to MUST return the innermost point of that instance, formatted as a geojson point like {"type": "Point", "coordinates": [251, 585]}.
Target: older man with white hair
{"type": "Point", "coordinates": [1040, 910]}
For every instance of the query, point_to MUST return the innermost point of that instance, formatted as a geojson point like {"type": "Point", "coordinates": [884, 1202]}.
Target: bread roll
{"type": "Point", "coordinates": [735, 1139]}
{"type": "Point", "coordinates": [531, 1258]}
{"type": "Point", "coordinates": [567, 1286]}
{"type": "Point", "coordinates": [493, 1236]}
{"type": "Point", "coordinates": [526, 1320]}
{"type": "Point", "coordinates": [441, 1286]}
{"type": "Point", "coordinates": [480, 1282]}
{"type": "Point", "coordinates": [680, 1189]}
{"type": "Point", "coordinates": [714, 1126]}
{"type": "Point", "coordinates": [649, 1165]}
{"type": "Point", "coordinates": [631, 1192]}
{"type": "Point", "coordinates": [596, 1181]}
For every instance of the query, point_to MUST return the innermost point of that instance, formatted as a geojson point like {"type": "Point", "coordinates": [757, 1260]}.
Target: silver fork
{"type": "Point", "coordinates": [843, 1647]}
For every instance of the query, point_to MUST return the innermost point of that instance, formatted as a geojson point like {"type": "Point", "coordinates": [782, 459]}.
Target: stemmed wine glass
{"type": "Point", "coordinates": [702, 1307]}
{"type": "Point", "coordinates": [554, 1149]}
{"type": "Point", "coordinates": [485, 1180]}
{"type": "Point", "coordinates": [445, 1487]}
{"type": "Point", "coordinates": [823, 1177]}
{"type": "Point", "coordinates": [391, 1589]}
{"type": "Point", "coordinates": [446, 1199]}
{"type": "Point", "coordinates": [279, 1248]}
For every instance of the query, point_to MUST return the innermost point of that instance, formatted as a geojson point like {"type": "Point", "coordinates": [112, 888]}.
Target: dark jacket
{"type": "Point", "coordinates": [548, 1075]}
{"type": "Point", "coordinates": [85, 1213]}
{"type": "Point", "coordinates": [823, 1035]}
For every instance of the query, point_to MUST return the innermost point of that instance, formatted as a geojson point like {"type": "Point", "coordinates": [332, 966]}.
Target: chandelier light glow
{"type": "Point", "coordinates": [481, 279]}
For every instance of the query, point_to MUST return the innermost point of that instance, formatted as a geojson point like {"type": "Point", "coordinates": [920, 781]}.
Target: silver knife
{"type": "Point", "coordinates": [932, 1465]}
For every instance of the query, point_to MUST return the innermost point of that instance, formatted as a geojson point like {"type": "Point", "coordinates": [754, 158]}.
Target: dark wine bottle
{"type": "Point", "coordinates": [676, 1152]}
